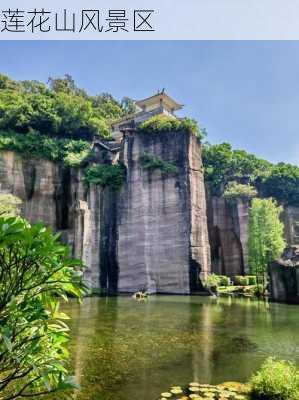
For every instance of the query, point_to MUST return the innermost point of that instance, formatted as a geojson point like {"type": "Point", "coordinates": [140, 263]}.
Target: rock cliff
{"type": "Point", "coordinates": [284, 277]}
{"type": "Point", "coordinates": [151, 234]}
{"type": "Point", "coordinates": [162, 231]}
{"type": "Point", "coordinates": [228, 224]}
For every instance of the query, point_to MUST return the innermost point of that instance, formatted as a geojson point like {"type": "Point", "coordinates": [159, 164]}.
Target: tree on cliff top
{"type": "Point", "coordinates": [58, 109]}
{"type": "Point", "coordinates": [266, 235]}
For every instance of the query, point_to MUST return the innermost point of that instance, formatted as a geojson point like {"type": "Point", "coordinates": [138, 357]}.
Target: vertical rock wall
{"type": "Point", "coordinates": [228, 225]}
{"type": "Point", "coordinates": [163, 240]}
{"type": "Point", "coordinates": [151, 234]}
{"type": "Point", "coordinates": [291, 223]}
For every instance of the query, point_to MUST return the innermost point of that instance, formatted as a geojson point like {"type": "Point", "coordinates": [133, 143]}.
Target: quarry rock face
{"type": "Point", "coordinates": [228, 231]}
{"type": "Point", "coordinates": [162, 231]}
{"type": "Point", "coordinates": [151, 234]}
{"type": "Point", "coordinates": [163, 241]}
{"type": "Point", "coordinates": [284, 277]}
{"type": "Point", "coordinates": [291, 223]}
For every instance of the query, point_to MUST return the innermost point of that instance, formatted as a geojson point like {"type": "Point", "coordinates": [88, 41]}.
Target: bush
{"type": "Point", "coordinates": [105, 175]}
{"type": "Point", "coordinates": [164, 123]}
{"type": "Point", "coordinates": [236, 191]}
{"type": "Point", "coordinates": [259, 290]}
{"type": "Point", "coordinates": [9, 205]}
{"type": "Point", "coordinates": [33, 144]}
{"type": "Point", "coordinates": [240, 280]}
{"type": "Point", "coordinates": [223, 280]}
{"type": "Point", "coordinates": [251, 280]}
{"type": "Point", "coordinates": [212, 281]}
{"type": "Point", "coordinates": [36, 273]}
{"type": "Point", "coordinates": [151, 162]}
{"type": "Point", "coordinates": [276, 380]}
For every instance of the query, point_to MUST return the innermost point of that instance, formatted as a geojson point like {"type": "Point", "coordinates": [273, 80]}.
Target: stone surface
{"type": "Point", "coordinates": [228, 225]}
{"type": "Point", "coordinates": [152, 234]}
{"type": "Point", "coordinates": [163, 240]}
{"type": "Point", "coordinates": [291, 222]}
{"type": "Point", "coordinates": [284, 277]}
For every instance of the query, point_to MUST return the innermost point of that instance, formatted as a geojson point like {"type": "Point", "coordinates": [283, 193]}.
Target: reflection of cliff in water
{"type": "Point", "coordinates": [126, 350]}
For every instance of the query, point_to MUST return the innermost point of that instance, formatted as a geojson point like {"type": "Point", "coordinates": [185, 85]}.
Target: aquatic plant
{"type": "Point", "coordinates": [197, 391]}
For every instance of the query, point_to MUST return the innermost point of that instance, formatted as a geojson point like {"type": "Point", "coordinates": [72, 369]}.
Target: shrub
{"type": "Point", "coordinates": [240, 280]}
{"type": "Point", "coordinates": [276, 380]}
{"type": "Point", "coordinates": [259, 290]}
{"type": "Point", "coordinates": [9, 205]}
{"type": "Point", "coordinates": [33, 144]}
{"type": "Point", "coordinates": [236, 191]}
{"type": "Point", "coordinates": [164, 123]}
{"type": "Point", "coordinates": [36, 273]}
{"type": "Point", "coordinates": [212, 281]}
{"type": "Point", "coordinates": [224, 280]}
{"type": "Point", "coordinates": [252, 280]}
{"type": "Point", "coordinates": [105, 175]}
{"type": "Point", "coordinates": [151, 162]}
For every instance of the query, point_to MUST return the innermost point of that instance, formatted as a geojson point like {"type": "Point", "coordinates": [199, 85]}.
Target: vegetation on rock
{"type": "Point", "coordinates": [236, 191]}
{"type": "Point", "coordinates": [266, 235]}
{"type": "Point", "coordinates": [69, 151]}
{"type": "Point", "coordinates": [9, 205]}
{"type": "Point", "coordinates": [224, 165]}
{"type": "Point", "coordinates": [58, 109]}
{"type": "Point", "coordinates": [164, 123]}
{"type": "Point", "coordinates": [151, 162]}
{"type": "Point", "coordinates": [56, 121]}
{"type": "Point", "coordinates": [36, 272]}
{"type": "Point", "coordinates": [105, 175]}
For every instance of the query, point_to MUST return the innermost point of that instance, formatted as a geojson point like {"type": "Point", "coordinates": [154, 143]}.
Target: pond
{"type": "Point", "coordinates": [123, 349]}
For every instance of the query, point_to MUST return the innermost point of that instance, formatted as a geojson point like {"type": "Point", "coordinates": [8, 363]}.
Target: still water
{"type": "Point", "coordinates": [123, 349]}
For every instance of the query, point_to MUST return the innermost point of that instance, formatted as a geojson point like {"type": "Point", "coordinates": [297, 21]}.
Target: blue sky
{"type": "Point", "coordinates": [245, 93]}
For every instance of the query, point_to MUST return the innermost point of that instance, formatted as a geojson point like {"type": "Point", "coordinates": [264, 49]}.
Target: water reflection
{"type": "Point", "coordinates": [123, 349]}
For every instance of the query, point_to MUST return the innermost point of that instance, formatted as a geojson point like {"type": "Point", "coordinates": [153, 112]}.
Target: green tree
{"type": "Point", "coordinates": [266, 235]}
{"type": "Point", "coordinates": [35, 273]}
{"type": "Point", "coordinates": [282, 184]}
{"type": "Point", "coordinates": [59, 109]}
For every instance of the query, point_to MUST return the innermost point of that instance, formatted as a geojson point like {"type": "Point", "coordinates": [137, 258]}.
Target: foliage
{"type": "Point", "coordinates": [9, 205]}
{"type": "Point", "coordinates": [240, 280]}
{"type": "Point", "coordinates": [223, 164]}
{"type": "Point", "coordinates": [35, 273]}
{"type": "Point", "coordinates": [128, 105]}
{"type": "Point", "coordinates": [266, 234]}
{"type": "Point", "coordinates": [69, 151]}
{"type": "Point", "coordinates": [58, 109]}
{"type": "Point", "coordinates": [258, 290]}
{"type": "Point", "coordinates": [282, 184]}
{"type": "Point", "coordinates": [223, 280]}
{"type": "Point", "coordinates": [276, 380]}
{"type": "Point", "coordinates": [212, 281]}
{"type": "Point", "coordinates": [251, 279]}
{"type": "Point", "coordinates": [236, 190]}
{"type": "Point", "coordinates": [151, 162]}
{"type": "Point", "coordinates": [105, 175]}
{"type": "Point", "coordinates": [164, 123]}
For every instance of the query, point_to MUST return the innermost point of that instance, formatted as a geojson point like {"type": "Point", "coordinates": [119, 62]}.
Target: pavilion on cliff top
{"type": "Point", "coordinates": [158, 104]}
